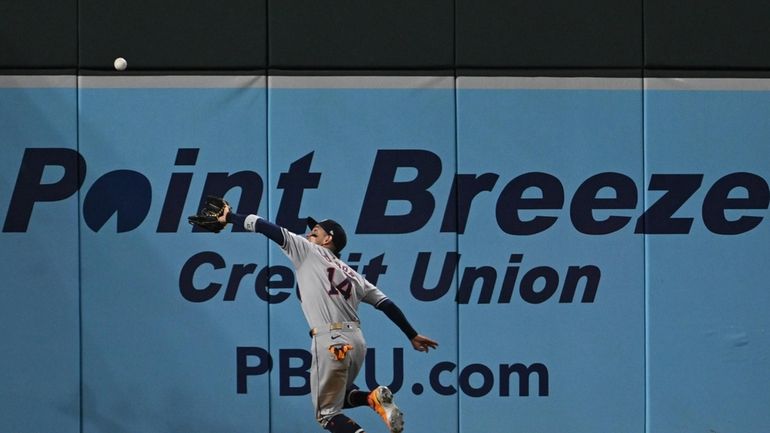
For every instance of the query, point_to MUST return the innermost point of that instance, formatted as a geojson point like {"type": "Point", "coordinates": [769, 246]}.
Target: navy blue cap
{"type": "Point", "coordinates": [334, 228]}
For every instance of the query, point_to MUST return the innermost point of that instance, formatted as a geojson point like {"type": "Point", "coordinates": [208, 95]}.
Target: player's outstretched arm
{"type": "Point", "coordinates": [419, 342]}
{"type": "Point", "coordinates": [422, 343]}
{"type": "Point", "coordinates": [253, 223]}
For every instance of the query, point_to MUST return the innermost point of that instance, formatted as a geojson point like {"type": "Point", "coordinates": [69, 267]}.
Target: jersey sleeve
{"type": "Point", "coordinates": [295, 247]}
{"type": "Point", "coordinates": [372, 295]}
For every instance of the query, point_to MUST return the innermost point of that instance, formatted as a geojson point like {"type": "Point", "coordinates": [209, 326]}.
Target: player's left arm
{"type": "Point", "coordinates": [294, 246]}
{"type": "Point", "coordinates": [419, 342]}
{"type": "Point", "coordinates": [254, 223]}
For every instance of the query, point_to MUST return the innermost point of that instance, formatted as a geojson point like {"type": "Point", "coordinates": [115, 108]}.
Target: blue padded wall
{"type": "Point", "coordinates": [39, 313]}
{"type": "Point", "coordinates": [163, 321]}
{"type": "Point", "coordinates": [706, 289]}
{"type": "Point", "coordinates": [547, 147]}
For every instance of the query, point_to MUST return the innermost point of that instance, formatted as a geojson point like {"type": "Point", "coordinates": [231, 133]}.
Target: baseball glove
{"type": "Point", "coordinates": [206, 218]}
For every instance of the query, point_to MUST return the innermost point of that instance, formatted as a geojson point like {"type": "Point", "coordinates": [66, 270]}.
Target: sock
{"type": "Point", "coordinates": [342, 424]}
{"type": "Point", "coordinates": [356, 398]}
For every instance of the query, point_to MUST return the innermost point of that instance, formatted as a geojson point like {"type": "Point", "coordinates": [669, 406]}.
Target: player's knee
{"type": "Point", "coordinates": [324, 419]}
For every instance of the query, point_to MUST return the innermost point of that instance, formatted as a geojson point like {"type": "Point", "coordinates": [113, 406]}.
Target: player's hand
{"type": "Point", "coordinates": [223, 218]}
{"type": "Point", "coordinates": [422, 343]}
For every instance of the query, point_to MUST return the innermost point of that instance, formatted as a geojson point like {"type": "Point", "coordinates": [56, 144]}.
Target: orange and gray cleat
{"type": "Point", "coordinates": [381, 400]}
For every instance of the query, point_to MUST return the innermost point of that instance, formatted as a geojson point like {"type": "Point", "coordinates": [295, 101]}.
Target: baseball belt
{"type": "Point", "coordinates": [334, 326]}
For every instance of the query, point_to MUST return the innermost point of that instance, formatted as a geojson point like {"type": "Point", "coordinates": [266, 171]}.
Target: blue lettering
{"type": "Point", "coordinates": [269, 277]}
{"type": "Point", "coordinates": [294, 183]}
{"type": "Point", "coordinates": [717, 201]}
{"type": "Point", "coordinates": [584, 202]}
{"type": "Point", "coordinates": [524, 374]}
{"type": "Point", "coordinates": [186, 277]}
{"type": "Point", "coordinates": [244, 370]}
{"type": "Point", "coordinates": [658, 218]}
{"type": "Point", "coordinates": [176, 194]}
{"type": "Point", "coordinates": [383, 188]}
{"type": "Point", "coordinates": [521, 208]}
{"type": "Point", "coordinates": [300, 372]}
{"type": "Point", "coordinates": [434, 377]}
{"type": "Point", "coordinates": [538, 284]}
{"type": "Point", "coordinates": [125, 193]}
{"type": "Point", "coordinates": [487, 380]}
{"type": "Point", "coordinates": [512, 200]}
{"type": "Point", "coordinates": [370, 364]}
{"type": "Point", "coordinates": [417, 284]}
{"type": "Point", "coordinates": [29, 188]}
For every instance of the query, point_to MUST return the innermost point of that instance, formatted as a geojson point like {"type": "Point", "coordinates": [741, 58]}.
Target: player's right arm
{"type": "Point", "coordinates": [376, 298]}
{"type": "Point", "coordinates": [419, 342]}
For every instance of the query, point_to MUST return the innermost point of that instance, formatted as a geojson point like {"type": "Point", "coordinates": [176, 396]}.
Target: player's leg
{"type": "Point", "coordinates": [381, 400]}
{"type": "Point", "coordinates": [328, 381]}
{"type": "Point", "coordinates": [340, 423]}
{"type": "Point", "coordinates": [354, 397]}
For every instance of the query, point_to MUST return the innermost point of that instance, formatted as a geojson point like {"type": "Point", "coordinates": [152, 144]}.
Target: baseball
{"type": "Point", "coordinates": [120, 64]}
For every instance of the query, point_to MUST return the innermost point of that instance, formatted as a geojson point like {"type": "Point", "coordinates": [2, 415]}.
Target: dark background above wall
{"type": "Point", "coordinates": [175, 35]}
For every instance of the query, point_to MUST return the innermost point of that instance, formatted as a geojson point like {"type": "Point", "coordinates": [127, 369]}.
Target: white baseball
{"type": "Point", "coordinates": [120, 64]}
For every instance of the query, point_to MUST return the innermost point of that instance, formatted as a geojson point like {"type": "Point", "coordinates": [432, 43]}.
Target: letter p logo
{"type": "Point", "coordinates": [30, 189]}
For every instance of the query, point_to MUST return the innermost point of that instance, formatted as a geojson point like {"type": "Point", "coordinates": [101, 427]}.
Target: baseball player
{"type": "Point", "coordinates": [330, 292]}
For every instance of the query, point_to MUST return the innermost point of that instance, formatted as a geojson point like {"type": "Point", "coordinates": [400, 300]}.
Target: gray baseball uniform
{"type": "Point", "coordinates": [330, 290]}
{"type": "Point", "coordinates": [330, 293]}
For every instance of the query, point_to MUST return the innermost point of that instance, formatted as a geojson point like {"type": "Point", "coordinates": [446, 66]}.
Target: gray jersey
{"type": "Point", "coordinates": [329, 289]}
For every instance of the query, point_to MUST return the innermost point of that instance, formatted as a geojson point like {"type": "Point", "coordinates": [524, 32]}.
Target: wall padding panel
{"type": "Point", "coordinates": [166, 329]}
{"type": "Point", "coordinates": [707, 281]}
{"type": "Point", "coordinates": [363, 140]}
{"type": "Point", "coordinates": [40, 291]}
{"type": "Point", "coordinates": [551, 292]}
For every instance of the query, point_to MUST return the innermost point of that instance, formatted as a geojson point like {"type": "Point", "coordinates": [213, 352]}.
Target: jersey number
{"type": "Point", "coordinates": [345, 287]}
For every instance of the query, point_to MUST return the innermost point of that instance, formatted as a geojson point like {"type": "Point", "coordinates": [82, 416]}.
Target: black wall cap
{"type": "Point", "coordinates": [345, 34]}
{"type": "Point", "coordinates": [173, 34]}
{"type": "Point", "coordinates": [707, 34]}
{"type": "Point", "coordinates": [549, 34]}
{"type": "Point", "coordinates": [38, 34]}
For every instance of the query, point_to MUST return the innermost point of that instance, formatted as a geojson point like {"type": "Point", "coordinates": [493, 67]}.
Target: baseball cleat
{"type": "Point", "coordinates": [381, 400]}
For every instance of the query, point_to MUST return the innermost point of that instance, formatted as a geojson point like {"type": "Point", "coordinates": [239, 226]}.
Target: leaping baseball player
{"type": "Point", "coordinates": [330, 293]}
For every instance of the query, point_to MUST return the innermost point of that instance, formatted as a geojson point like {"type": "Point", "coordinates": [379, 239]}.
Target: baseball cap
{"type": "Point", "coordinates": [334, 228]}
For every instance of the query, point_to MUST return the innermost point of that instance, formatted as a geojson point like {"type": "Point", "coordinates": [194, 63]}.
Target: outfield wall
{"type": "Point", "coordinates": [589, 252]}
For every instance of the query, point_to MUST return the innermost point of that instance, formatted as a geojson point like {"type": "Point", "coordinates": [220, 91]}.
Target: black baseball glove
{"type": "Point", "coordinates": [206, 218]}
